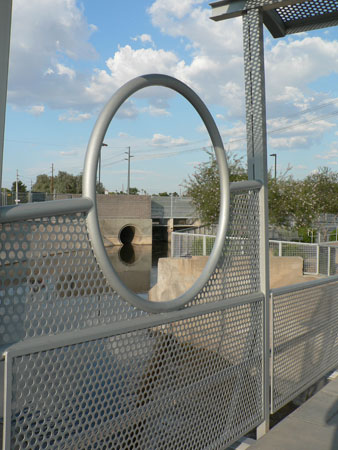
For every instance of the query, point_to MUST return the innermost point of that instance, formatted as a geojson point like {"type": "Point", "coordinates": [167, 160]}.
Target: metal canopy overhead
{"type": "Point", "coordinates": [283, 17]}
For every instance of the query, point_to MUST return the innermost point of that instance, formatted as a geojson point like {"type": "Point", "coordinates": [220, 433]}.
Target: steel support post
{"type": "Point", "coordinates": [257, 166]}
{"type": "Point", "coordinates": [5, 32]}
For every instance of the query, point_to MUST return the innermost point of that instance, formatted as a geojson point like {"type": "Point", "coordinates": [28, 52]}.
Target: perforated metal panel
{"type": "Point", "coordinates": [188, 385]}
{"type": "Point", "coordinates": [307, 10]}
{"type": "Point", "coordinates": [193, 383]}
{"type": "Point", "coordinates": [305, 341]}
{"type": "Point", "coordinates": [50, 282]}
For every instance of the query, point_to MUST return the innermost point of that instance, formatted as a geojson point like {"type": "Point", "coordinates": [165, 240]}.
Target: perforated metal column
{"type": "Point", "coordinates": [257, 159]}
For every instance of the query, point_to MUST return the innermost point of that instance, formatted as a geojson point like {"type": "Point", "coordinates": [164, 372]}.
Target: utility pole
{"type": "Point", "coordinates": [128, 159]}
{"type": "Point", "coordinates": [102, 145]}
{"type": "Point", "coordinates": [52, 181]}
{"type": "Point", "coordinates": [275, 156]}
{"type": "Point", "coordinates": [17, 188]}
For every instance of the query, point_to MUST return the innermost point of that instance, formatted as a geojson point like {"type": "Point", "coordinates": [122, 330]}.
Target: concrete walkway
{"type": "Point", "coordinates": [313, 426]}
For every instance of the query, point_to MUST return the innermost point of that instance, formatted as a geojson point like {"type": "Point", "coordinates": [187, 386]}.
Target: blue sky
{"type": "Point", "coordinates": [68, 57]}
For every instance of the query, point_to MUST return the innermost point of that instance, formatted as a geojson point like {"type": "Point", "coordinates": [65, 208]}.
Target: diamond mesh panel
{"type": "Point", "coordinates": [50, 281]}
{"type": "Point", "coordinates": [192, 384]}
{"type": "Point", "coordinates": [305, 344]}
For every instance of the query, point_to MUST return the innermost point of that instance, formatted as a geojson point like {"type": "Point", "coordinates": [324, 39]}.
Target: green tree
{"type": "Point", "coordinates": [42, 183]}
{"type": "Point", "coordinates": [204, 188]}
{"type": "Point", "coordinates": [133, 191]}
{"type": "Point", "coordinates": [21, 186]}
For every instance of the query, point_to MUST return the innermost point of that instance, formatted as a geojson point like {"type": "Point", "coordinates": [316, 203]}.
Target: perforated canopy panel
{"type": "Point", "coordinates": [282, 17]}
{"type": "Point", "coordinates": [302, 16]}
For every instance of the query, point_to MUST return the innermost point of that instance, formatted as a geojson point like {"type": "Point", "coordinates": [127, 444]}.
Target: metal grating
{"type": "Point", "coordinates": [50, 282]}
{"type": "Point", "coordinates": [237, 272]}
{"type": "Point", "coordinates": [191, 384]}
{"type": "Point", "coordinates": [307, 10]}
{"type": "Point", "coordinates": [305, 340]}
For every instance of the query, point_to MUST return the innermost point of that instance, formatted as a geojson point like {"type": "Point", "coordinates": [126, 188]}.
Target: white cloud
{"type": "Point", "coordinates": [36, 110]}
{"type": "Point", "coordinates": [126, 64]}
{"type": "Point", "coordinates": [143, 38]}
{"type": "Point", "coordinates": [64, 70]}
{"type": "Point", "coordinates": [160, 140]}
{"type": "Point", "coordinates": [155, 111]}
{"type": "Point", "coordinates": [43, 43]}
{"type": "Point", "coordinates": [332, 154]}
{"type": "Point", "coordinates": [70, 153]}
{"type": "Point", "coordinates": [74, 116]}
{"type": "Point", "coordinates": [44, 35]}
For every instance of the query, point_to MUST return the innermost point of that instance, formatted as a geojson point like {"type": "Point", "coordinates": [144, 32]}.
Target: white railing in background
{"type": "Point", "coordinates": [318, 259]}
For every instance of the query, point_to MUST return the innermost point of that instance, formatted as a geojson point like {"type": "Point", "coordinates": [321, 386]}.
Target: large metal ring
{"type": "Point", "coordinates": [89, 190]}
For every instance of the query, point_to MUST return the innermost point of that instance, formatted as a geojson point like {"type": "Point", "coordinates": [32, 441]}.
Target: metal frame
{"type": "Point", "coordinates": [305, 337]}
{"type": "Point", "coordinates": [89, 187]}
{"type": "Point", "coordinates": [5, 33]}
{"type": "Point", "coordinates": [44, 209]}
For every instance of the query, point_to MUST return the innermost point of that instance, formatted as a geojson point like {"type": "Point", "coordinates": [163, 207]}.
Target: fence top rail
{"type": "Point", "coordinates": [43, 343]}
{"type": "Point", "coordinates": [302, 286]}
{"type": "Point", "coordinates": [44, 209]}
{"type": "Point", "coordinates": [293, 243]}
{"type": "Point", "coordinates": [179, 233]}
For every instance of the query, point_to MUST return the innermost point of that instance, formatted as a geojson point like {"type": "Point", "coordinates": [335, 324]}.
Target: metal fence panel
{"type": "Point", "coordinates": [169, 207]}
{"type": "Point", "coordinates": [193, 384]}
{"type": "Point", "coordinates": [305, 338]}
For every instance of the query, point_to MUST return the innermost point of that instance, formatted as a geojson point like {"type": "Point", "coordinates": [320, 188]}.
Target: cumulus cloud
{"type": "Point", "coordinates": [36, 110]}
{"type": "Point", "coordinates": [74, 116]}
{"type": "Point", "coordinates": [64, 70]}
{"type": "Point", "coordinates": [45, 34]}
{"type": "Point", "coordinates": [45, 48]}
{"type": "Point", "coordinates": [144, 38]}
{"type": "Point", "coordinates": [160, 140]}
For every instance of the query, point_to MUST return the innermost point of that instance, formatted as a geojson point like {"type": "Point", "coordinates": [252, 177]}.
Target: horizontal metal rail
{"type": "Point", "coordinates": [46, 209]}
{"type": "Point", "coordinates": [44, 343]}
{"type": "Point", "coordinates": [245, 185]}
{"type": "Point", "coordinates": [307, 244]}
{"type": "Point", "coordinates": [306, 285]}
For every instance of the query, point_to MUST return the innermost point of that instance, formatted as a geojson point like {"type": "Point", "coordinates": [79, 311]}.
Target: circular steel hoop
{"type": "Point", "coordinates": [89, 190]}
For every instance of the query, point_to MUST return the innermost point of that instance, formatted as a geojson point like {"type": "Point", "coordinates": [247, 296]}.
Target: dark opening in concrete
{"type": "Point", "coordinates": [127, 234]}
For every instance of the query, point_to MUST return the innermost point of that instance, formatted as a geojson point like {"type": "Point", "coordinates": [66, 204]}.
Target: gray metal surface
{"type": "Point", "coordinates": [81, 362]}
{"type": "Point", "coordinates": [89, 189]}
{"type": "Point", "coordinates": [5, 32]}
{"type": "Point", "coordinates": [172, 207]}
{"type": "Point", "coordinates": [190, 384]}
{"type": "Point", "coordinates": [305, 337]}
{"type": "Point", "coordinates": [257, 163]}
{"type": "Point", "coordinates": [282, 17]}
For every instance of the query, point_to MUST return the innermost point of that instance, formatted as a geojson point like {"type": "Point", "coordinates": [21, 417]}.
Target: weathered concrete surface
{"type": "Point", "coordinates": [287, 270]}
{"type": "Point", "coordinates": [313, 426]}
{"type": "Point", "coordinates": [112, 227]}
{"type": "Point", "coordinates": [175, 276]}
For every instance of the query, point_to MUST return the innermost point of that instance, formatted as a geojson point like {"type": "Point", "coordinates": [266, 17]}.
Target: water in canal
{"type": "Point", "coordinates": [136, 265]}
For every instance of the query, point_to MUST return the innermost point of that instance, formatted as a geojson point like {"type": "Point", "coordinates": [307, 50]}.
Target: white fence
{"type": "Point", "coordinates": [318, 259]}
